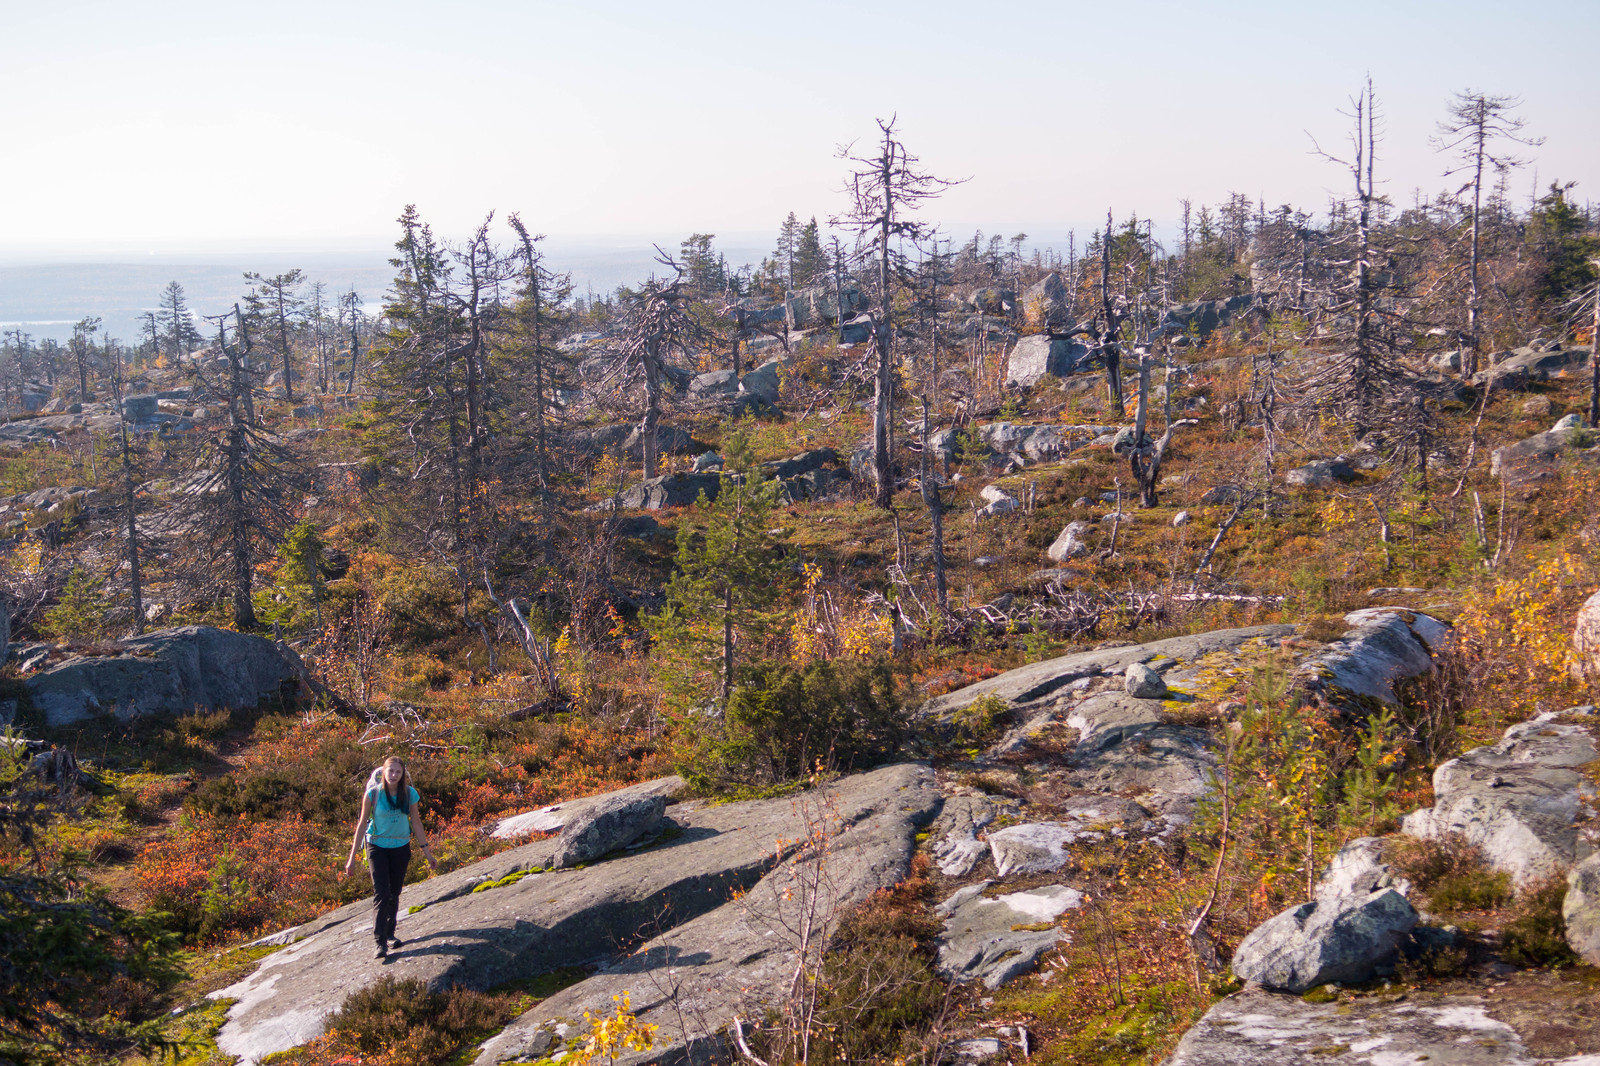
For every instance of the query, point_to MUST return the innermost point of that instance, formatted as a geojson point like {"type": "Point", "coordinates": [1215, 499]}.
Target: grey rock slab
{"type": "Point", "coordinates": [1343, 939]}
{"type": "Point", "coordinates": [609, 823]}
{"type": "Point", "coordinates": [1580, 910]}
{"type": "Point", "coordinates": [669, 490]}
{"type": "Point", "coordinates": [1524, 801]}
{"type": "Point", "coordinates": [739, 959]}
{"type": "Point", "coordinates": [956, 848]}
{"type": "Point", "coordinates": [1386, 646]}
{"type": "Point", "coordinates": [1261, 1028]}
{"type": "Point", "coordinates": [167, 671]}
{"type": "Point", "coordinates": [546, 920]}
{"type": "Point", "coordinates": [553, 818]}
{"type": "Point", "coordinates": [1047, 680]}
{"type": "Point", "coordinates": [994, 939]}
{"type": "Point", "coordinates": [1040, 847]}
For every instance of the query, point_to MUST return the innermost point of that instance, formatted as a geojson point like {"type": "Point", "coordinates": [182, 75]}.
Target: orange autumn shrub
{"type": "Point", "coordinates": [218, 875]}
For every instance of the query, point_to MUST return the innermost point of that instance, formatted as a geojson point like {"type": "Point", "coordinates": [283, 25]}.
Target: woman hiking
{"type": "Point", "coordinates": [387, 822]}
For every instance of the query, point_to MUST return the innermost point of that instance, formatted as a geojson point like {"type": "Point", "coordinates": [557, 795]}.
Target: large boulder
{"type": "Point", "coordinates": [668, 490]}
{"type": "Point", "coordinates": [555, 817]}
{"type": "Point", "coordinates": [810, 475]}
{"type": "Point", "coordinates": [994, 939]}
{"type": "Point", "coordinates": [1541, 455]}
{"type": "Point", "coordinates": [997, 501]}
{"type": "Point", "coordinates": [1522, 801]}
{"type": "Point", "coordinates": [761, 384]}
{"type": "Point", "coordinates": [1045, 301]}
{"type": "Point", "coordinates": [1388, 645]}
{"type": "Point", "coordinates": [1345, 939]}
{"type": "Point", "coordinates": [1039, 354]}
{"type": "Point", "coordinates": [1205, 316]}
{"type": "Point", "coordinates": [612, 822]}
{"type": "Point", "coordinates": [714, 385]}
{"type": "Point", "coordinates": [821, 305]}
{"type": "Point", "coordinates": [1586, 640]}
{"type": "Point", "coordinates": [1321, 474]}
{"type": "Point", "coordinates": [708, 892]}
{"type": "Point", "coordinates": [167, 671]}
{"type": "Point", "coordinates": [140, 408]}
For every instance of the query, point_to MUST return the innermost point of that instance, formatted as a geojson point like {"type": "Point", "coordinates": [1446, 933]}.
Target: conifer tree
{"type": "Point", "coordinates": [730, 568]}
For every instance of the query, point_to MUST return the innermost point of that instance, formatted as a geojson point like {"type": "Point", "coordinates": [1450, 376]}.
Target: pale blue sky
{"type": "Point", "coordinates": [192, 125]}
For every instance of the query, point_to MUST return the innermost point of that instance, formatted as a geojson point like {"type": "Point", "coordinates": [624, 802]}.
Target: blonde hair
{"type": "Point", "coordinates": [402, 802]}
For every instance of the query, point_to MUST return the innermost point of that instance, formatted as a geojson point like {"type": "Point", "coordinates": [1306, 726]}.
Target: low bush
{"type": "Point", "coordinates": [786, 722]}
{"type": "Point", "coordinates": [1536, 935]}
{"type": "Point", "coordinates": [399, 1022]}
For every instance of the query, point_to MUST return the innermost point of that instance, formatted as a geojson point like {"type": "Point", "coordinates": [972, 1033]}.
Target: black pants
{"type": "Point", "coordinates": [388, 875]}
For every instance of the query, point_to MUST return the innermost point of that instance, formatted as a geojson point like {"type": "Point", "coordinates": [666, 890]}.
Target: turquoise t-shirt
{"type": "Point", "coordinates": [389, 826]}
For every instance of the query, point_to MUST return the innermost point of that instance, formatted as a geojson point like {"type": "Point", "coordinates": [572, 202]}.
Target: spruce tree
{"type": "Point", "coordinates": [730, 568]}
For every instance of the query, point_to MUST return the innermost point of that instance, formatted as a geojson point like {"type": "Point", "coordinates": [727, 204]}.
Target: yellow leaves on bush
{"type": "Point", "coordinates": [1521, 629]}
{"type": "Point", "coordinates": [612, 1035]}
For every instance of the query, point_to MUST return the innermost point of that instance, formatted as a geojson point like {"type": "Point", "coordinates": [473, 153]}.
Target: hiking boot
{"type": "Point", "coordinates": [382, 952]}
{"type": "Point", "coordinates": [395, 942]}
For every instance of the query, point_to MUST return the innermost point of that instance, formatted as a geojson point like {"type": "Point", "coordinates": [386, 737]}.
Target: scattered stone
{"type": "Point", "coordinates": [1533, 363]}
{"type": "Point", "coordinates": [999, 502]}
{"type": "Point", "coordinates": [1525, 802]}
{"type": "Point", "coordinates": [706, 461]}
{"type": "Point", "coordinates": [1565, 422]}
{"type": "Point", "coordinates": [1320, 474]}
{"type": "Point", "coordinates": [1394, 590]}
{"type": "Point", "coordinates": [984, 561]}
{"type": "Point", "coordinates": [997, 939]}
{"type": "Point", "coordinates": [1180, 519]}
{"type": "Point", "coordinates": [1143, 683]}
{"type": "Point", "coordinates": [982, 1047]}
{"type": "Point", "coordinates": [1536, 407]}
{"type": "Point", "coordinates": [1070, 544]}
{"type": "Point", "coordinates": [1220, 494]}
{"type": "Point", "coordinates": [140, 408]}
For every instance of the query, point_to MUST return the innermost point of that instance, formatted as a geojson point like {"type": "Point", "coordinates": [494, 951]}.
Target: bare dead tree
{"type": "Point", "coordinates": [1111, 315]}
{"type": "Point", "coordinates": [659, 325]}
{"type": "Point", "coordinates": [884, 189]}
{"type": "Point", "coordinates": [1474, 122]}
{"type": "Point", "coordinates": [1145, 462]}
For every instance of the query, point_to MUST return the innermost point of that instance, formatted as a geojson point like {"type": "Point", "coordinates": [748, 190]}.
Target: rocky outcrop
{"type": "Point", "coordinates": [956, 847]}
{"type": "Point", "coordinates": [1205, 316]}
{"type": "Point", "coordinates": [514, 916]}
{"type": "Point", "coordinates": [1525, 802]}
{"type": "Point", "coordinates": [1008, 445]}
{"type": "Point", "coordinates": [997, 501]}
{"type": "Point", "coordinates": [668, 490]}
{"type": "Point", "coordinates": [167, 671]}
{"type": "Point", "coordinates": [1040, 847]}
{"type": "Point", "coordinates": [994, 939]}
{"type": "Point", "coordinates": [739, 959]}
{"type": "Point", "coordinates": [1520, 366]}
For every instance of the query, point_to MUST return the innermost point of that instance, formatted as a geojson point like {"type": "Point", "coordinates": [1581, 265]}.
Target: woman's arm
{"type": "Point", "coordinates": [418, 833]}
{"type": "Point", "coordinates": [361, 825]}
